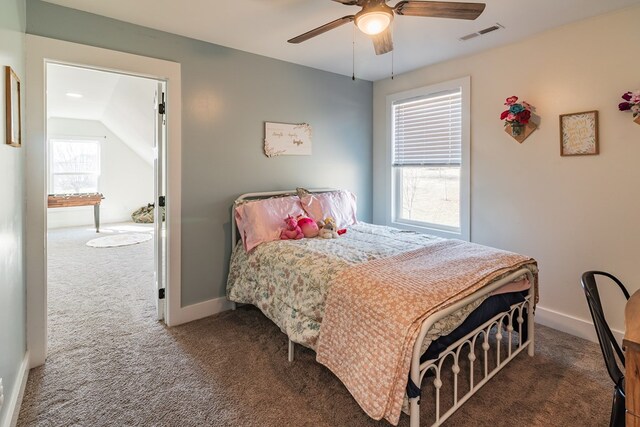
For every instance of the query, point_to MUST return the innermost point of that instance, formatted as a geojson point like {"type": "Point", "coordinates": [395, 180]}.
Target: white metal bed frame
{"type": "Point", "coordinates": [418, 370]}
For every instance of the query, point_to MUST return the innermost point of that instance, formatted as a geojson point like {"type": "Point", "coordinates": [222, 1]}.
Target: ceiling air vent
{"type": "Point", "coordinates": [481, 32]}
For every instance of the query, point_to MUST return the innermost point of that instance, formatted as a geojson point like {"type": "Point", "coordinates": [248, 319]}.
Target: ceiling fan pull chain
{"type": "Point", "coordinates": [353, 56]}
{"type": "Point", "coordinates": [391, 27]}
{"type": "Point", "coordinates": [392, 58]}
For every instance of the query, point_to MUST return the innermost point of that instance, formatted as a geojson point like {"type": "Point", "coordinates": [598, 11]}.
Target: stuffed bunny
{"type": "Point", "coordinates": [328, 229]}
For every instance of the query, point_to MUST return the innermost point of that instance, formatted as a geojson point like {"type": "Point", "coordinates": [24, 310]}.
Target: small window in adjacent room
{"type": "Point", "coordinates": [74, 166]}
{"type": "Point", "coordinates": [430, 159]}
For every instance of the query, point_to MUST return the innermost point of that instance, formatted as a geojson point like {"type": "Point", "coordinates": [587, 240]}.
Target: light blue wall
{"type": "Point", "coordinates": [227, 96]}
{"type": "Point", "coordinates": [12, 203]}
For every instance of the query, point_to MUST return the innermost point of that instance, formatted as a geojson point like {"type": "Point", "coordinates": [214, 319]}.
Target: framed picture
{"type": "Point", "coordinates": [284, 139]}
{"type": "Point", "coordinates": [14, 115]}
{"type": "Point", "coordinates": [579, 134]}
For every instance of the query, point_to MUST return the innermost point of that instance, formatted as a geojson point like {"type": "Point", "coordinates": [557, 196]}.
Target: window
{"type": "Point", "coordinates": [430, 159]}
{"type": "Point", "coordinates": [75, 166]}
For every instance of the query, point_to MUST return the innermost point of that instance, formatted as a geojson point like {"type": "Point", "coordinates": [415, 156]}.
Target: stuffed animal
{"type": "Point", "coordinates": [292, 231]}
{"type": "Point", "coordinates": [308, 226]}
{"type": "Point", "coordinates": [328, 229]}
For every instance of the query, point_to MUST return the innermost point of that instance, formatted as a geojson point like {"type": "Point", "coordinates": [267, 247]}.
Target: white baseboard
{"type": "Point", "coordinates": [200, 310]}
{"type": "Point", "coordinates": [570, 324]}
{"type": "Point", "coordinates": [545, 316]}
{"type": "Point", "coordinates": [15, 400]}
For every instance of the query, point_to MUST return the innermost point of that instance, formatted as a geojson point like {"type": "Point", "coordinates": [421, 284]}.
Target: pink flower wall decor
{"type": "Point", "coordinates": [631, 103]}
{"type": "Point", "coordinates": [517, 114]}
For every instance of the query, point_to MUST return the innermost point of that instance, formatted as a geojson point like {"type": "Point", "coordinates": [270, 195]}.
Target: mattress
{"type": "Point", "coordinates": [288, 279]}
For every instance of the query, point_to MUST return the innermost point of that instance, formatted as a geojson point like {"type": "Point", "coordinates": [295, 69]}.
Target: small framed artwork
{"type": "Point", "coordinates": [284, 139]}
{"type": "Point", "coordinates": [14, 115]}
{"type": "Point", "coordinates": [579, 134]}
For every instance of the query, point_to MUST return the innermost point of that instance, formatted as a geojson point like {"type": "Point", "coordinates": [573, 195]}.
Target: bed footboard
{"type": "Point", "coordinates": [466, 346]}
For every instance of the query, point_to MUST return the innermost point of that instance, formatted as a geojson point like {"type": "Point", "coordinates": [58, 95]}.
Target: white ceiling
{"type": "Point", "coordinates": [264, 26]}
{"type": "Point", "coordinates": [124, 104]}
{"type": "Point", "coordinates": [96, 88]}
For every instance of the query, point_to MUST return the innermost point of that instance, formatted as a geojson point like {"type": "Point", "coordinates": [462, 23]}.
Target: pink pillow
{"type": "Point", "coordinates": [261, 221]}
{"type": "Point", "coordinates": [340, 205]}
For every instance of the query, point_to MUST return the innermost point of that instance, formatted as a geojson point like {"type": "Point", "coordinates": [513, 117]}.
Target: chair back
{"type": "Point", "coordinates": [608, 343]}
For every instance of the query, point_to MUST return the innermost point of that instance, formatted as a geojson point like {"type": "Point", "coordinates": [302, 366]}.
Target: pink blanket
{"type": "Point", "coordinates": [374, 312]}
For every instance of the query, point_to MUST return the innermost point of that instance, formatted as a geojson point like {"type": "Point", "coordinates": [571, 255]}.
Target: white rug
{"type": "Point", "coordinates": [119, 240]}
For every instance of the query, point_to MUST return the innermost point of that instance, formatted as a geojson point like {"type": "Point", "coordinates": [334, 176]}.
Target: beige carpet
{"type": "Point", "coordinates": [111, 363]}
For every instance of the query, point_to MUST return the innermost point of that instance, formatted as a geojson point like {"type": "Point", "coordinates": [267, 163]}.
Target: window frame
{"type": "Point", "coordinates": [85, 139]}
{"type": "Point", "coordinates": [392, 199]}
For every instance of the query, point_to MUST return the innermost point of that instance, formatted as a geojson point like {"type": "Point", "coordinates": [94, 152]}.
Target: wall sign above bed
{"type": "Point", "coordinates": [284, 139]}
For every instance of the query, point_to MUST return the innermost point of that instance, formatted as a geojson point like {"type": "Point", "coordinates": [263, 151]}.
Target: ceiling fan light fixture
{"type": "Point", "coordinates": [374, 22]}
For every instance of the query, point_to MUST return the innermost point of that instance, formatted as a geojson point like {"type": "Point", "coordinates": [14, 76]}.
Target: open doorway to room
{"type": "Point", "coordinates": [106, 232]}
{"type": "Point", "coordinates": [45, 51]}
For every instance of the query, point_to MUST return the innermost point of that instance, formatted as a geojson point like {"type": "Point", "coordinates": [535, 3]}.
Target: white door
{"type": "Point", "coordinates": [160, 229]}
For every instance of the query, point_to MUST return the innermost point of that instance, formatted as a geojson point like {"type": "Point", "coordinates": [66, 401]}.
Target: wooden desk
{"type": "Point", "coordinates": [632, 360]}
{"type": "Point", "coordinates": [81, 199]}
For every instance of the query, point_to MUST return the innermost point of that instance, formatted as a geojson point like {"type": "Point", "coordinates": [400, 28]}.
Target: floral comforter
{"type": "Point", "coordinates": [288, 279]}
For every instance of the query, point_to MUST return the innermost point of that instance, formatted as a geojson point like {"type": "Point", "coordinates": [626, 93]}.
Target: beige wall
{"type": "Point", "coordinates": [571, 213]}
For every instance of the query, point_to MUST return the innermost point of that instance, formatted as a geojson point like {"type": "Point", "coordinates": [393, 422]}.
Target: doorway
{"type": "Point", "coordinates": [105, 157]}
{"type": "Point", "coordinates": [42, 52]}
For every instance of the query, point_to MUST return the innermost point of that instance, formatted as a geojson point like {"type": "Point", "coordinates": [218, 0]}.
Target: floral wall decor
{"type": "Point", "coordinates": [517, 119]}
{"type": "Point", "coordinates": [631, 103]}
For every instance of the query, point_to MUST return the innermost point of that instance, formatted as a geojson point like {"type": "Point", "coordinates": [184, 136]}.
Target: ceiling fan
{"type": "Point", "coordinates": [375, 16]}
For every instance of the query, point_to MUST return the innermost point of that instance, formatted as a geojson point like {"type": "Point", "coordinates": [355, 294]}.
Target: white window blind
{"type": "Point", "coordinates": [427, 131]}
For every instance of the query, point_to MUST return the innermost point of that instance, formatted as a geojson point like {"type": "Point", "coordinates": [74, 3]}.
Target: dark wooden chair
{"type": "Point", "coordinates": [608, 344]}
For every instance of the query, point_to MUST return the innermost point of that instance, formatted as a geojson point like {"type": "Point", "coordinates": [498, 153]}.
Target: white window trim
{"type": "Point", "coordinates": [50, 173]}
{"type": "Point", "coordinates": [465, 168]}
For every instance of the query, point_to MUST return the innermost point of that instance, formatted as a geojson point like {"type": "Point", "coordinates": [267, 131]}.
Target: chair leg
{"type": "Point", "coordinates": [617, 409]}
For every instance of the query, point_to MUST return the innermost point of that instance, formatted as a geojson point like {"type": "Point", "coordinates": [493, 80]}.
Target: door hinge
{"type": "Point", "coordinates": [161, 293]}
{"type": "Point", "coordinates": [162, 105]}
{"type": "Point", "coordinates": [161, 201]}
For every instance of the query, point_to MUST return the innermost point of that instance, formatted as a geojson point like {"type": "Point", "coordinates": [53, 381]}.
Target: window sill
{"type": "Point", "coordinates": [447, 234]}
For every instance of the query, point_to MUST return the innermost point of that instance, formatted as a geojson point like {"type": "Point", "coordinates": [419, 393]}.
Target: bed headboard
{"type": "Point", "coordinates": [262, 195]}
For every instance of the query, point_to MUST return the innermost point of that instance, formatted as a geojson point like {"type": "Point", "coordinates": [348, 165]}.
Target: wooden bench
{"type": "Point", "coordinates": [80, 199]}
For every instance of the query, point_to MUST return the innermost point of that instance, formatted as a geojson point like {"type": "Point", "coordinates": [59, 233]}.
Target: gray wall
{"type": "Point", "coordinates": [12, 202]}
{"type": "Point", "coordinates": [227, 96]}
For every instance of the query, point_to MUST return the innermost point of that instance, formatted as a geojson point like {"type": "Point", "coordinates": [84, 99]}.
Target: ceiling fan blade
{"type": "Point", "coordinates": [350, 2]}
{"type": "Point", "coordinates": [440, 9]}
{"type": "Point", "coordinates": [322, 29]}
{"type": "Point", "coordinates": [383, 42]}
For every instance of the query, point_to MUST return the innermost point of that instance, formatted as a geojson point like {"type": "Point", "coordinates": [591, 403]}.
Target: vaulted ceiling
{"type": "Point", "coordinates": [124, 104]}
{"type": "Point", "coordinates": [264, 26]}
